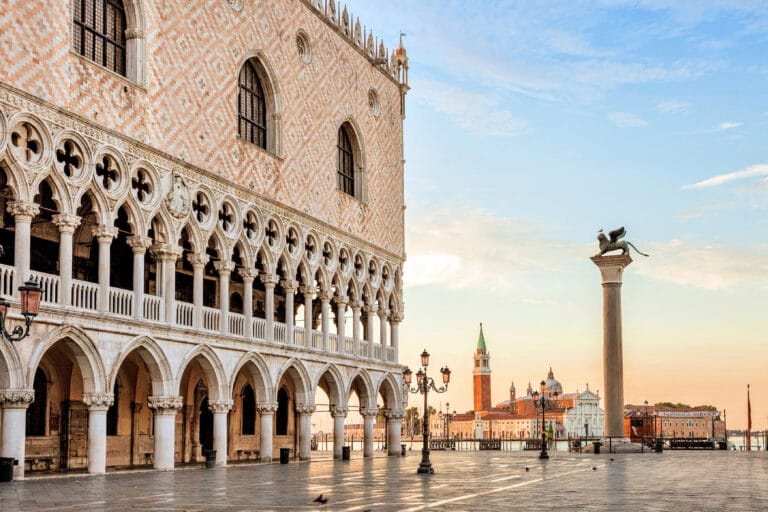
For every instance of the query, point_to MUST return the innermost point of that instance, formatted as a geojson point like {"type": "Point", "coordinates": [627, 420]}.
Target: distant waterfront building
{"type": "Point", "coordinates": [672, 423]}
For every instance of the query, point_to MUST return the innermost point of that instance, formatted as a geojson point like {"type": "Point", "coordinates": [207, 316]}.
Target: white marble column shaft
{"type": "Point", "coordinates": [97, 403]}
{"type": "Point", "coordinates": [12, 444]}
{"type": "Point", "coordinates": [66, 224]}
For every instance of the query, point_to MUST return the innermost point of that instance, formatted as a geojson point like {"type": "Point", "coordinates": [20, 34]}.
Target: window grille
{"type": "Point", "coordinates": [99, 32]}
{"type": "Point", "coordinates": [251, 107]}
{"type": "Point", "coordinates": [346, 170]}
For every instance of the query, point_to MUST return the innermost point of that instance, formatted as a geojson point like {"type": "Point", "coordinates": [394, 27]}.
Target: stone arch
{"type": "Point", "coordinates": [298, 373]}
{"type": "Point", "coordinates": [267, 259]}
{"type": "Point", "coordinates": [273, 103]}
{"type": "Point", "coordinates": [220, 245]}
{"type": "Point", "coordinates": [258, 371]}
{"type": "Point", "coordinates": [86, 355]}
{"type": "Point", "coordinates": [289, 269]}
{"type": "Point", "coordinates": [362, 384]}
{"type": "Point", "coordinates": [60, 191]}
{"type": "Point", "coordinates": [165, 231]}
{"type": "Point", "coordinates": [195, 237]}
{"type": "Point", "coordinates": [135, 217]}
{"type": "Point", "coordinates": [155, 359]}
{"type": "Point", "coordinates": [212, 367]}
{"type": "Point", "coordinates": [16, 182]}
{"type": "Point", "coordinates": [11, 372]}
{"type": "Point", "coordinates": [389, 388]}
{"type": "Point", "coordinates": [332, 382]}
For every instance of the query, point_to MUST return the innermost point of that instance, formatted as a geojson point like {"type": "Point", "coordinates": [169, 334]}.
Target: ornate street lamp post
{"type": "Point", "coordinates": [29, 302]}
{"type": "Point", "coordinates": [543, 402]}
{"type": "Point", "coordinates": [423, 385]}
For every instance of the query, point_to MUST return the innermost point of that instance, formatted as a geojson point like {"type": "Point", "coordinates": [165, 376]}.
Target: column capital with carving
{"type": "Point", "coordinates": [356, 304]}
{"type": "Point", "coordinates": [139, 243]}
{"type": "Point", "coordinates": [134, 33]}
{"type": "Point", "coordinates": [368, 412]}
{"type": "Point", "coordinates": [198, 259]}
{"type": "Point", "coordinates": [16, 398]}
{"type": "Point", "coordinates": [339, 412]}
{"type": "Point", "coordinates": [248, 274]}
{"type": "Point", "coordinates": [371, 309]}
{"type": "Point", "coordinates": [325, 295]}
{"type": "Point", "coordinates": [23, 210]}
{"type": "Point", "coordinates": [224, 266]}
{"type": "Point", "coordinates": [341, 300]}
{"type": "Point", "coordinates": [266, 408]}
{"type": "Point", "coordinates": [383, 313]}
{"type": "Point", "coordinates": [166, 252]}
{"type": "Point", "coordinates": [289, 285]}
{"type": "Point", "coordinates": [268, 280]}
{"type": "Point", "coordinates": [308, 290]}
{"type": "Point", "coordinates": [396, 317]}
{"type": "Point", "coordinates": [304, 409]}
{"type": "Point", "coordinates": [66, 222]}
{"type": "Point", "coordinates": [395, 414]}
{"type": "Point", "coordinates": [104, 233]}
{"type": "Point", "coordinates": [220, 406]}
{"type": "Point", "coordinates": [165, 404]}
{"type": "Point", "coordinates": [98, 401]}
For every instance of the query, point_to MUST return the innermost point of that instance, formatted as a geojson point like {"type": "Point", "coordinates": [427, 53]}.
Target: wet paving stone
{"type": "Point", "coordinates": [463, 481]}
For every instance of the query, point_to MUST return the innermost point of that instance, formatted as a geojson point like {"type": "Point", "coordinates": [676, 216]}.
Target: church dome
{"type": "Point", "coordinates": [552, 385]}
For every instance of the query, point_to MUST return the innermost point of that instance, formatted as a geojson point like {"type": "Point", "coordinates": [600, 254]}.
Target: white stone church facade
{"type": "Point", "coordinates": [211, 195]}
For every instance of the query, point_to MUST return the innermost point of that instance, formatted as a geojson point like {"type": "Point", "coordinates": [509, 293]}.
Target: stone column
{"type": "Point", "coordinates": [290, 286]}
{"type": "Point", "coordinates": [356, 325]}
{"type": "Point", "coordinates": [394, 431]}
{"type": "Point", "coordinates": [325, 318]}
{"type": "Point", "coordinates": [394, 333]}
{"type": "Point", "coordinates": [269, 281]}
{"type": "Point", "coordinates": [198, 261]}
{"type": "Point", "coordinates": [14, 403]}
{"type": "Point", "coordinates": [369, 420]}
{"type": "Point", "coordinates": [307, 291]}
{"type": "Point", "coordinates": [97, 403]}
{"type": "Point", "coordinates": [305, 431]}
{"type": "Point", "coordinates": [339, 414]}
{"type": "Point", "coordinates": [248, 275]}
{"type": "Point", "coordinates": [220, 409]}
{"type": "Point", "coordinates": [104, 234]}
{"type": "Point", "coordinates": [383, 314]}
{"type": "Point", "coordinates": [67, 224]}
{"type": "Point", "coordinates": [370, 312]}
{"type": "Point", "coordinates": [135, 45]}
{"type": "Point", "coordinates": [611, 270]}
{"type": "Point", "coordinates": [166, 255]}
{"type": "Point", "coordinates": [139, 244]}
{"type": "Point", "coordinates": [225, 269]}
{"type": "Point", "coordinates": [23, 213]}
{"type": "Point", "coordinates": [266, 413]}
{"type": "Point", "coordinates": [341, 309]}
{"type": "Point", "coordinates": [165, 408]}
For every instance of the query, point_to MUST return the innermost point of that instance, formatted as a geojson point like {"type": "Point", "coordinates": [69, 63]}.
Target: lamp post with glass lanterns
{"type": "Point", "coordinates": [423, 385]}
{"type": "Point", "coordinates": [29, 302]}
{"type": "Point", "coordinates": [543, 402]}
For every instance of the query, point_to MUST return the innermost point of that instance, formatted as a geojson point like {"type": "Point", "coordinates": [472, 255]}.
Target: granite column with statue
{"type": "Point", "coordinates": [611, 270]}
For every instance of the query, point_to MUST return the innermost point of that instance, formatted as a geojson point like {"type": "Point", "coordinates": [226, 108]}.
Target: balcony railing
{"type": "Point", "coordinates": [121, 303]}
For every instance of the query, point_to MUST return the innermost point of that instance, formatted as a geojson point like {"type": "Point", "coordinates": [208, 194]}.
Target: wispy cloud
{"type": "Point", "coordinates": [626, 120]}
{"type": "Point", "coordinates": [475, 249]}
{"type": "Point", "coordinates": [707, 266]}
{"type": "Point", "coordinates": [720, 179]}
{"type": "Point", "coordinates": [479, 113]}
{"type": "Point", "coordinates": [671, 107]}
{"type": "Point", "coordinates": [728, 125]}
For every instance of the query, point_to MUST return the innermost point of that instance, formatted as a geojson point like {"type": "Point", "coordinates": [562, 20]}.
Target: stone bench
{"type": "Point", "coordinates": [32, 462]}
{"type": "Point", "coordinates": [248, 453]}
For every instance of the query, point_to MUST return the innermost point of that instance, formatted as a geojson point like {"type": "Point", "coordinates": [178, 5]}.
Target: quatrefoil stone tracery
{"type": "Point", "coordinates": [27, 143]}
{"type": "Point", "coordinates": [142, 187]}
{"type": "Point", "coordinates": [250, 225]}
{"type": "Point", "coordinates": [200, 208]}
{"type": "Point", "coordinates": [70, 159]}
{"type": "Point", "coordinates": [107, 171]}
{"type": "Point", "coordinates": [226, 217]}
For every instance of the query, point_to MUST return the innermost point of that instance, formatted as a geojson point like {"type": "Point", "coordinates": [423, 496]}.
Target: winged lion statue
{"type": "Point", "coordinates": [614, 242]}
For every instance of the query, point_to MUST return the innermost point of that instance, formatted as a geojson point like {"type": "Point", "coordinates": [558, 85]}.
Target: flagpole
{"type": "Point", "coordinates": [749, 422]}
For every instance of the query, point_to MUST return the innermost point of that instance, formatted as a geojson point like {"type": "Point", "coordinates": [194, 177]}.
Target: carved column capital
{"type": "Point", "coordinates": [395, 414]}
{"type": "Point", "coordinates": [248, 274]}
{"type": "Point", "coordinates": [269, 280]}
{"type": "Point", "coordinates": [365, 413]}
{"type": "Point", "coordinates": [305, 409]}
{"type": "Point", "coordinates": [339, 412]}
{"type": "Point", "coordinates": [383, 314]}
{"type": "Point", "coordinates": [289, 285]}
{"type": "Point", "coordinates": [104, 233]}
{"type": "Point", "coordinates": [325, 296]}
{"type": "Point", "coordinates": [166, 252]}
{"type": "Point", "coordinates": [16, 398]}
{"type": "Point", "coordinates": [371, 309]}
{"type": "Point", "coordinates": [224, 267]}
{"type": "Point", "coordinates": [396, 317]}
{"type": "Point", "coordinates": [98, 401]}
{"type": "Point", "coordinates": [134, 33]}
{"type": "Point", "coordinates": [341, 300]}
{"type": "Point", "coordinates": [66, 223]}
{"type": "Point", "coordinates": [356, 304]}
{"type": "Point", "coordinates": [199, 259]}
{"type": "Point", "coordinates": [266, 408]}
{"type": "Point", "coordinates": [165, 404]}
{"type": "Point", "coordinates": [308, 290]}
{"type": "Point", "coordinates": [23, 210]}
{"type": "Point", "coordinates": [220, 406]}
{"type": "Point", "coordinates": [139, 243]}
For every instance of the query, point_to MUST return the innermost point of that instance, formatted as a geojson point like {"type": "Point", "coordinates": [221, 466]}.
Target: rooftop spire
{"type": "Point", "coordinates": [481, 341]}
{"type": "Point", "coordinates": [550, 375]}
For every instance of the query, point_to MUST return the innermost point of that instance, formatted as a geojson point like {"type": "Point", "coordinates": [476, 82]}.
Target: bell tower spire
{"type": "Point", "coordinates": [482, 375]}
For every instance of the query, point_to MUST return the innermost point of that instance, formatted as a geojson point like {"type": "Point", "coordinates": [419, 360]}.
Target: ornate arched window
{"type": "Point", "coordinates": [99, 32]}
{"type": "Point", "coordinates": [346, 163]}
{"type": "Point", "coordinates": [251, 107]}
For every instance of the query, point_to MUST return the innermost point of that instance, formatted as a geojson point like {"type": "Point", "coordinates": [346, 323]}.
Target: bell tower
{"type": "Point", "coordinates": [482, 375]}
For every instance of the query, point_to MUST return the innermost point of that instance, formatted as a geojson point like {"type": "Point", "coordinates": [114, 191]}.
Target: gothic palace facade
{"type": "Point", "coordinates": [211, 195]}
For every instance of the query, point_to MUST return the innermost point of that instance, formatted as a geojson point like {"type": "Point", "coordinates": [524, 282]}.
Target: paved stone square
{"type": "Point", "coordinates": [477, 481]}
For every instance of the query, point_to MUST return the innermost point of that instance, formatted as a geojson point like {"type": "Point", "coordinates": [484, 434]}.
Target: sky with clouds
{"type": "Point", "coordinates": [531, 125]}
